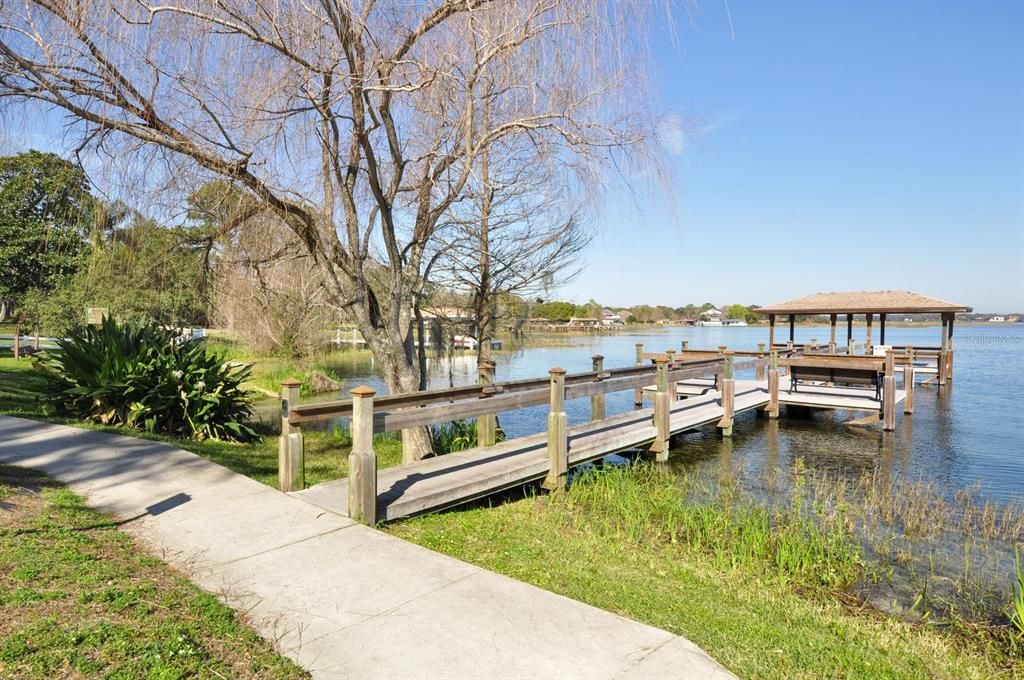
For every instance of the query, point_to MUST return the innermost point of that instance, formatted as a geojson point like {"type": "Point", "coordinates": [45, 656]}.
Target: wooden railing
{"type": "Point", "coordinates": [370, 415]}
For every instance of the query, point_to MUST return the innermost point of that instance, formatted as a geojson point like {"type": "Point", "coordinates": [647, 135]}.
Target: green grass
{"type": "Point", "coordinates": [326, 452]}
{"type": "Point", "coordinates": [764, 599]}
{"type": "Point", "coordinates": [79, 598]}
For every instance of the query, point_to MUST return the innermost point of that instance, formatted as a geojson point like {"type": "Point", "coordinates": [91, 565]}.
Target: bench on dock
{"type": "Point", "coordinates": [861, 371]}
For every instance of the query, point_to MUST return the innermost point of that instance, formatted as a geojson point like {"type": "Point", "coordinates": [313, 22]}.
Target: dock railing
{"type": "Point", "coordinates": [370, 415]}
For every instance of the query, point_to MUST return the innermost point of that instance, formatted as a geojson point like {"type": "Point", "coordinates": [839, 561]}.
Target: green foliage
{"type": "Point", "coordinates": [46, 213]}
{"type": "Point", "coordinates": [458, 435]}
{"type": "Point", "coordinates": [140, 271]}
{"type": "Point", "coordinates": [1017, 613]}
{"type": "Point", "coordinates": [554, 311]}
{"type": "Point", "coordinates": [140, 376]}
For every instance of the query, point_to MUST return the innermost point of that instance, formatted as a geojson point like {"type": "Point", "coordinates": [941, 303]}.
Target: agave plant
{"type": "Point", "coordinates": [143, 376]}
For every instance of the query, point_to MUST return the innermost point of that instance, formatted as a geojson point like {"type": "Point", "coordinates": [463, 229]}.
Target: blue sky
{"type": "Point", "coordinates": [831, 146]}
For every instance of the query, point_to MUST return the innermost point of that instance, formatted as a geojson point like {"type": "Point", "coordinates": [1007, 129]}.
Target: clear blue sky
{"type": "Point", "coordinates": [832, 146]}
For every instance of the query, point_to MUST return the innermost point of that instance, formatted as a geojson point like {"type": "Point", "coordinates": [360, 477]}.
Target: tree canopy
{"type": "Point", "coordinates": [46, 216]}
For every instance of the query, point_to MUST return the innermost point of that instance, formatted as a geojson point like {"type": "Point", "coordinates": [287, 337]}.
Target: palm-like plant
{"type": "Point", "coordinates": [143, 376]}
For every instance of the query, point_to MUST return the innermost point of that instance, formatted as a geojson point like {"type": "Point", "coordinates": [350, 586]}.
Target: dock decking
{"type": "Point", "coordinates": [445, 481]}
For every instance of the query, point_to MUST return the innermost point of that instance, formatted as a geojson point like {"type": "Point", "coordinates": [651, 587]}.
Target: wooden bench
{"type": "Point", "coordinates": [859, 372]}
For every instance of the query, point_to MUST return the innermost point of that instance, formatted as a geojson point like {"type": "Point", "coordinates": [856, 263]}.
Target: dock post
{"type": "Point", "coordinates": [671, 354]}
{"type": "Point", "coordinates": [362, 461]}
{"type": "Point", "coordinates": [638, 393]}
{"type": "Point", "coordinates": [486, 424]}
{"type": "Point", "coordinates": [889, 393]}
{"type": "Point", "coordinates": [558, 434]}
{"type": "Point", "coordinates": [684, 345]}
{"type": "Point", "coordinates": [597, 401]}
{"type": "Point", "coordinates": [773, 385]}
{"type": "Point", "coordinates": [944, 347]}
{"type": "Point", "coordinates": [662, 402]}
{"type": "Point", "coordinates": [290, 450]}
{"type": "Point", "coordinates": [851, 347]}
{"type": "Point", "coordinates": [814, 344]}
{"type": "Point", "coordinates": [949, 348]}
{"type": "Point", "coordinates": [759, 364]}
{"type": "Point", "coordinates": [789, 348]}
{"type": "Point", "coordinates": [868, 342]}
{"type": "Point", "coordinates": [831, 348]}
{"type": "Point", "coordinates": [908, 386]}
{"type": "Point", "coordinates": [728, 397]}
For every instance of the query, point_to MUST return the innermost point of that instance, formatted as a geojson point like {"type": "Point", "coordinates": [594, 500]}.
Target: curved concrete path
{"type": "Point", "coordinates": [341, 599]}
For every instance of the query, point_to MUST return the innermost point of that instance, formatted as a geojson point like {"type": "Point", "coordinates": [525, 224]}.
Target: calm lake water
{"type": "Point", "coordinates": [969, 433]}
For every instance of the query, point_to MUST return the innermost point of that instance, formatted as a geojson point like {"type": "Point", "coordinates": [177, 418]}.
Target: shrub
{"type": "Point", "coordinates": [458, 435]}
{"type": "Point", "coordinates": [143, 376]}
{"type": "Point", "coordinates": [1017, 611]}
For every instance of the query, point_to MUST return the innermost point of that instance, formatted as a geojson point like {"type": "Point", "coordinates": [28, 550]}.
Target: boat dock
{"type": "Point", "coordinates": [674, 392]}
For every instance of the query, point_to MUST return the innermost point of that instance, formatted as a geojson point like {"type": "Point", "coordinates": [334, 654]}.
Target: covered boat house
{"type": "Point", "coordinates": [869, 304]}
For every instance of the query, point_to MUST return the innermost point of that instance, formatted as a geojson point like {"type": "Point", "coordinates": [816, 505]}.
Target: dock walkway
{"type": "Point", "coordinates": [442, 482]}
{"type": "Point", "coordinates": [342, 599]}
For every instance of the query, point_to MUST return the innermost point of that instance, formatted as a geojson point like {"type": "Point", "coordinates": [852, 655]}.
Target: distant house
{"type": "Point", "coordinates": [711, 317]}
{"type": "Point", "coordinates": [584, 322]}
{"type": "Point", "coordinates": [734, 322]}
{"type": "Point", "coordinates": [610, 318]}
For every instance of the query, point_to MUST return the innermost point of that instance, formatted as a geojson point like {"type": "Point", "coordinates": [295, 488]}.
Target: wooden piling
{"type": "Point", "coordinates": [558, 434]}
{"type": "Point", "coordinates": [908, 387]}
{"type": "Point", "coordinates": [760, 365]}
{"type": "Point", "coordinates": [486, 424]}
{"type": "Point", "coordinates": [684, 345]}
{"type": "Point", "coordinates": [362, 461]}
{"type": "Point", "coordinates": [868, 342]}
{"type": "Point", "coordinates": [832, 318]}
{"type": "Point", "coordinates": [662, 403]}
{"type": "Point", "coordinates": [728, 398]}
{"type": "Point", "coordinates": [773, 385]}
{"type": "Point", "coordinates": [638, 393]}
{"type": "Point", "coordinates": [944, 347]}
{"type": "Point", "coordinates": [949, 348]}
{"type": "Point", "coordinates": [597, 410]}
{"type": "Point", "coordinates": [290, 448]}
{"type": "Point", "coordinates": [889, 393]}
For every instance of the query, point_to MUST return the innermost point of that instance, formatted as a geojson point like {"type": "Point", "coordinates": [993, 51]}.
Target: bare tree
{"type": "Point", "coordinates": [357, 123]}
{"type": "Point", "coordinates": [518, 233]}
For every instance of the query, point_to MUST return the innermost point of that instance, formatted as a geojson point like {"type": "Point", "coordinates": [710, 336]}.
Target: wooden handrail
{"type": "Point", "coordinates": [437, 404]}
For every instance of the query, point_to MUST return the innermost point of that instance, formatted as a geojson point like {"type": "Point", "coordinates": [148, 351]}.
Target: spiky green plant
{"type": "Point", "coordinates": [143, 376]}
{"type": "Point", "coordinates": [458, 435]}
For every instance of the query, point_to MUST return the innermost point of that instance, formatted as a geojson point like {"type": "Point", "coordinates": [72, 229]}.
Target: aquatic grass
{"type": "Point", "coordinates": [642, 503]}
{"type": "Point", "coordinates": [1017, 612]}
{"type": "Point", "coordinates": [458, 435]}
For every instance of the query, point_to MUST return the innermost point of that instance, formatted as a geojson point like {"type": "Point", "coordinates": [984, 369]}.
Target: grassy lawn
{"type": "Point", "coordinates": [79, 598]}
{"type": "Point", "coordinates": [719, 578]}
{"type": "Point", "coordinates": [326, 451]}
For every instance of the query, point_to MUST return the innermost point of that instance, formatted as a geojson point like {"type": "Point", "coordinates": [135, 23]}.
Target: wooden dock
{"type": "Point", "coordinates": [686, 394]}
{"type": "Point", "coordinates": [445, 481]}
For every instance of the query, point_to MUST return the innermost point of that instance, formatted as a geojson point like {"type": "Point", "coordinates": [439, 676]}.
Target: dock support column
{"type": "Point", "coordinates": [728, 398]}
{"type": "Point", "coordinates": [597, 409]}
{"type": "Point", "coordinates": [868, 343]}
{"type": "Point", "coordinates": [684, 345]}
{"type": "Point", "coordinates": [720, 373]}
{"type": "Point", "coordinates": [792, 329]}
{"type": "Point", "coordinates": [908, 386]}
{"type": "Point", "coordinates": [949, 348]}
{"type": "Point", "coordinates": [290, 450]}
{"type": "Point", "coordinates": [881, 328]}
{"type": "Point", "coordinates": [759, 365]}
{"type": "Point", "coordinates": [771, 331]}
{"type": "Point", "coordinates": [773, 385]}
{"type": "Point", "coordinates": [850, 344]}
{"type": "Point", "coordinates": [832, 318]}
{"type": "Point", "coordinates": [889, 393]}
{"type": "Point", "coordinates": [638, 393]}
{"type": "Point", "coordinates": [362, 461]}
{"type": "Point", "coordinates": [662, 402]}
{"type": "Point", "coordinates": [486, 424]}
{"type": "Point", "coordinates": [944, 348]}
{"type": "Point", "coordinates": [558, 434]}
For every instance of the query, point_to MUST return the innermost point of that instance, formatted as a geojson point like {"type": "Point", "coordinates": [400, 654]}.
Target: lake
{"type": "Point", "coordinates": [970, 432]}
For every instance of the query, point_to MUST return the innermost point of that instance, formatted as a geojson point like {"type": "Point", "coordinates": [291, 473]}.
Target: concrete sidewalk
{"type": "Point", "coordinates": [341, 599]}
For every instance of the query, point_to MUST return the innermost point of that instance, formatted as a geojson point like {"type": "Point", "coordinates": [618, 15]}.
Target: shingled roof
{"type": "Point", "coordinates": [877, 302]}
